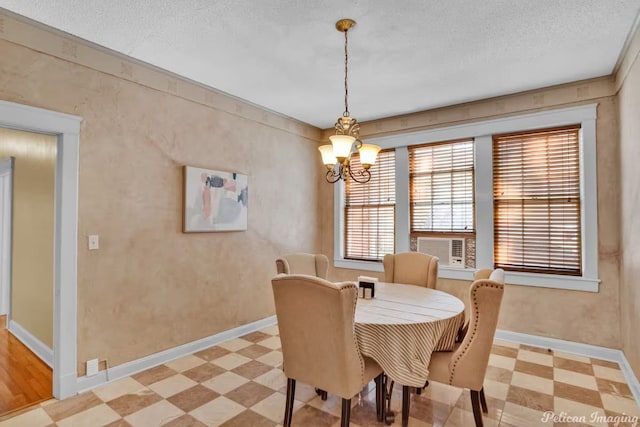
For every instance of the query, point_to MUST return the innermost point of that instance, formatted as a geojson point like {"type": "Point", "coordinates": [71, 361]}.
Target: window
{"type": "Point", "coordinates": [536, 190]}
{"type": "Point", "coordinates": [369, 211]}
{"type": "Point", "coordinates": [441, 188]}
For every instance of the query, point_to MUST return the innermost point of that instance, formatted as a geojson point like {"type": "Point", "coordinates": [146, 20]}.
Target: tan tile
{"type": "Point", "coordinates": [271, 330]}
{"type": "Point", "coordinates": [531, 382]}
{"type": "Point", "coordinates": [578, 394]}
{"type": "Point", "coordinates": [333, 404]}
{"type": "Point", "coordinates": [427, 410]}
{"type": "Point", "coordinates": [504, 351]}
{"type": "Point", "coordinates": [249, 418]}
{"type": "Point", "coordinates": [500, 375]}
{"type": "Point", "coordinates": [573, 365]}
{"type": "Point", "coordinates": [273, 407]}
{"type": "Point", "coordinates": [33, 418]}
{"type": "Point", "coordinates": [273, 358]}
{"type": "Point", "coordinates": [502, 361]}
{"type": "Point", "coordinates": [224, 383]}
{"type": "Point", "coordinates": [185, 363]}
{"type": "Point", "coordinates": [605, 363]}
{"type": "Point", "coordinates": [203, 372]}
{"type": "Point", "coordinates": [310, 416]}
{"type": "Point", "coordinates": [130, 403]}
{"type": "Point", "coordinates": [613, 387]}
{"type": "Point", "coordinates": [274, 379]}
{"type": "Point", "coordinates": [530, 398]}
{"type": "Point", "coordinates": [230, 361]}
{"type": "Point", "coordinates": [96, 416]}
{"type": "Point", "coordinates": [621, 420]}
{"type": "Point", "coordinates": [608, 373]}
{"type": "Point", "coordinates": [619, 404]}
{"type": "Point", "coordinates": [249, 394]}
{"type": "Point", "coordinates": [252, 369]}
{"type": "Point", "coordinates": [172, 385]}
{"type": "Point", "coordinates": [494, 406]}
{"type": "Point", "coordinates": [236, 344]}
{"type": "Point", "coordinates": [193, 397]}
{"type": "Point", "coordinates": [462, 418]}
{"type": "Point", "coordinates": [254, 351]}
{"type": "Point", "coordinates": [571, 356]}
{"type": "Point", "coordinates": [535, 357]}
{"type": "Point", "coordinates": [212, 353]}
{"type": "Point", "coordinates": [255, 336]}
{"type": "Point", "coordinates": [576, 409]}
{"type": "Point", "coordinates": [534, 369]}
{"type": "Point", "coordinates": [574, 378]}
{"type": "Point", "coordinates": [304, 392]}
{"type": "Point", "coordinates": [155, 415]}
{"type": "Point", "coordinates": [272, 342]}
{"type": "Point", "coordinates": [505, 343]}
{"type": "Point", "coordinates": [184, 421]}
{"type": "Point", "coordinates": [118, 388]}
{"type": "Point", "coordinates": [541, 350]}
{"type": "Point", "coordinates": [153, 375]}
{"type": "Point", "coordinates": [217, 411]}
{"type": "Point", "coordinates": [71, 406]}
{"type": "Point", "coordinates": [520, 416]}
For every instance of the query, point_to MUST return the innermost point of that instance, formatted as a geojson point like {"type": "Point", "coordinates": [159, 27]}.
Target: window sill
{"type": "Point", "coordinates": [512, 278]}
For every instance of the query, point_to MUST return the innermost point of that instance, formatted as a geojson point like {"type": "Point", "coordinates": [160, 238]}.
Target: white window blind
{"type": "Point", "coordinates": [369, 211]}
{"type": "Point", "coordinates": [441, 187]}
{"type": "Point", "coordinates": [536, 189]}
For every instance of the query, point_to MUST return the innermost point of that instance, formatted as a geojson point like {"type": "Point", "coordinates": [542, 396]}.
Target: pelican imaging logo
{"type": "Point", "coordinates": [594, 417]}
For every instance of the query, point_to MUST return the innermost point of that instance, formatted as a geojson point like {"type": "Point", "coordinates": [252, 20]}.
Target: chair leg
{"type": "Point", "coordinates": [346, 413]}
{"type": "Point", "coordinates": [288, 407]}
{"type": "Point", "coordinates": [380, 397]}
{"type": "Point", "coordinates": [483, 401]}
{"type": "Point", "coordinates": [406, 401]}
{"type": "Point", "coordinates": [475, 404]}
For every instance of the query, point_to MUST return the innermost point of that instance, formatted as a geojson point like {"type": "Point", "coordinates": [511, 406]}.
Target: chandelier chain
{"type": "Point", "coordinates": [346, 73]}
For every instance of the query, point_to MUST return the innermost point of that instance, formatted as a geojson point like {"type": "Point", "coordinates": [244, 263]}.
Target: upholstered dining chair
{"type": "Point", "coordinates": [413, 268]}
{"type": "Point", "coordinates": [301, 263]}
{"type": "Point", "coordinates": [466, 365]}
{"type": "Point", "coordinates": [319, 347]}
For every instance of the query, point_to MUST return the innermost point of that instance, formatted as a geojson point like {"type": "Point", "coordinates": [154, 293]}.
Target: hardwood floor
{"type": "Point", "coordinates": [24, 379]}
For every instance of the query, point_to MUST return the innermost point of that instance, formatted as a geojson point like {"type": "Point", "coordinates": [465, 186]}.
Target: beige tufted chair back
{"type": "Point", "coordinates": [412, 268]}
{"type": "Point", "coordinates": [310, 264]}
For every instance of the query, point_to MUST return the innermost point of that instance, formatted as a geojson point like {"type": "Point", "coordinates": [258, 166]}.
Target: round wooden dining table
{"type": "Point", "coordinates": [402, 325]}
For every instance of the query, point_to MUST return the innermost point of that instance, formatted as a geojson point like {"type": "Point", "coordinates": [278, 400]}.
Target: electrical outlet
{"type": "Point", "coordinates": [92, 367]}
{"type": "Point", "coordinates": [94, 241]}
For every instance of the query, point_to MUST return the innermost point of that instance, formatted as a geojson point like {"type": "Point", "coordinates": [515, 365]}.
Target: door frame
{"type": "Point", "coordinates": [65, 255]}
{"type": "Point", "coordinates": [6, 230]}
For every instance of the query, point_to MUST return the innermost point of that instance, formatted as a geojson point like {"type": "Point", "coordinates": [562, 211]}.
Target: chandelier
{"type": "Point", "coordinates": [337, 156]}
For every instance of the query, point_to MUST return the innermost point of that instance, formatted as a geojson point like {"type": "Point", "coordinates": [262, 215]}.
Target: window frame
{"type": "Point", "coordinates": [482, 133]}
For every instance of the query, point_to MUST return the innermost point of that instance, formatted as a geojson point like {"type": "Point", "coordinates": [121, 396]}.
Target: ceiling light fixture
{"type": "Point", "coordinates": [337, 156]}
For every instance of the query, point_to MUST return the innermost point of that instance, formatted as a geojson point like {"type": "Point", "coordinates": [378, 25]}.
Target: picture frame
{"type": "Point", "coordinates": [214, 200]}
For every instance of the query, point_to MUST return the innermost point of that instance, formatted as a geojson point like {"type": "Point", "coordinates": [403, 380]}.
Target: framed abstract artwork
{"type": "Point", "coordinates": [214, 200]}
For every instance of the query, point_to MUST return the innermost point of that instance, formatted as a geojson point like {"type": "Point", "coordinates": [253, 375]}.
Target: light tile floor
{"type": "Point", "coordinates": [240, 383]}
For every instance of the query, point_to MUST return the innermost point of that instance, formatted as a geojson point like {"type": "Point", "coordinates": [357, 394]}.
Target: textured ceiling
{"type": "Point", "coordinates": [406, 56]}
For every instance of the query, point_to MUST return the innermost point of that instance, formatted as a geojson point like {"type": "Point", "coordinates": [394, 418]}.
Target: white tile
{"type": "Point", "coordinates": [185, 363]}
{"type": "Point", "coordinates": [333, 404]}
{"type": "Point", "coordinates": [461, 418]}
{"type": "Point", "coordinates": [172, 385]}
{"type": "Point", "coordinates": [273, 407]}
{"type": "Point", "coordinates": [271, 330]}
{"type": "Point", "coordinates": [574, 378]}
{"type": "Point", "coordinates": [273, 358]}
{"type": "Point", "coordinates": [236, 344]}
{"type": "Point", "coordinates": [533, 357]}
{"type": "Point", "coordinates": [217, 411]}
{"type": "Point", "coordinates": [532, 382]}
{"type": "Point", "coordinates": [517, 415]}
{"type": "Point", "coordinates": [231, 361]}
{"type": "Point", "coordinates": [271, 342]}
{"type": "Point", "coordinates": [609, 373]}
{"type": "Point", "coordinates": [274, 379]}
{"type": "Point", "coordinates": [226, 382]}
{"type": "Point", "coordinates": [502, 361]}
{"type": "Point", "coordinates": [118, 388]}
{"type": "Point", "coordinates": [158, 414]}
{"type": "Point", "coordinates": [442, 393]}
{"type": "Point", "coordinates": [586, 414]}
{"type": "Point", "coordinates": [496, 389]}
{"type": "Point", "coordinates": [34, 418]}
{"type": "Point", "coordinates": [620, 405]}
{"type": "Point", "coordinates": [96, 416]}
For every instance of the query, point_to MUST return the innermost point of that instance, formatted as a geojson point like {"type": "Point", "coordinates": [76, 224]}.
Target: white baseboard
{"type": "Point", "coordinates": [34, 344]}
{"type": "Point", "coordinates": [130, 368]}
{"type": "Point", "coordinates": [588, 350]}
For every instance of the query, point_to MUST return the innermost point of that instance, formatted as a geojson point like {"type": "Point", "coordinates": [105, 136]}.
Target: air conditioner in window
{"type": "Point", "coordinates": [450, 251]}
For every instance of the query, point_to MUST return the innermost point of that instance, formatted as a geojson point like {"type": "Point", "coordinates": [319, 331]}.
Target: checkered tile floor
{"type": "Point", "coordinates": [240, 383]}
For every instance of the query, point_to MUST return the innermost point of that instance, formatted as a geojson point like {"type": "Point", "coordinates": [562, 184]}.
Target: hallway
{"type": "Point", "coordinates": [24, 379]}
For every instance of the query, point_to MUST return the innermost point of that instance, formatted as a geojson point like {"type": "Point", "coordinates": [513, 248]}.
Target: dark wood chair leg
{"type": "Point", "coordinates": [406, 401]}
{"type": "Point", "coordinates": [483, 401]}
{"type": "Point", "coordinates": [475, 404]}
{"type": "Point", "coordinates": [346, 413]}
{"type": "Point", "coordinates": [380, 397]}
{"type": "Point", "coordinates": [288, 407]}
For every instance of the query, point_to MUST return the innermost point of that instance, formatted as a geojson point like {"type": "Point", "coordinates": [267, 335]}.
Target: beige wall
{"type": "Point", "coordinates": [629, 106]}
{"type": "Point", "coordinates": [151, 287]}
{"type": "Point", "coordinates": [32, 251]}
{"type": "Point", "coordinates": [585, 317]}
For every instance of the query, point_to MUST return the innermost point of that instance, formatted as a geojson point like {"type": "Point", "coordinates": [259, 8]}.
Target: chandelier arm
{"type": "Point", "coordinates": [332, 177]}
{"type": "Point", "coordinates": [364, 173]}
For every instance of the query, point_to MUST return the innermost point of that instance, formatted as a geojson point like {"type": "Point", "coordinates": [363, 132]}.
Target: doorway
{"type": "Point", "coordinates": [65, 128]}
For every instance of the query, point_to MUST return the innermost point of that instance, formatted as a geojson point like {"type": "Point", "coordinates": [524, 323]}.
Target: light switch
{"type": "Point", "coordinates": [94, 241]}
